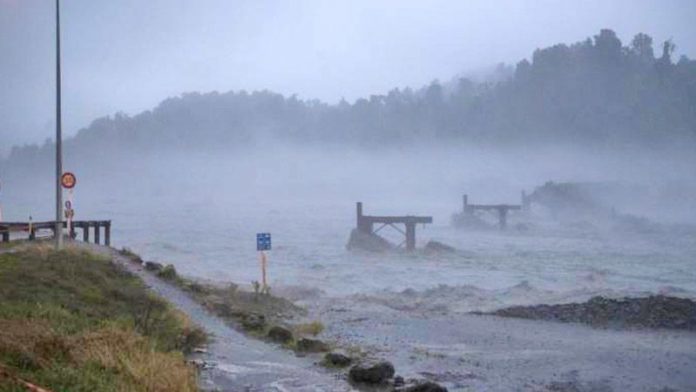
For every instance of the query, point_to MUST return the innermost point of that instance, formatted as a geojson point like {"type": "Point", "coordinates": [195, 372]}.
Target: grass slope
{"type": "Point", "coordinates": [74, 321]}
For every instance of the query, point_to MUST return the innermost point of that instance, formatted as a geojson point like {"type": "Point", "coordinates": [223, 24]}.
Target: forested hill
{"type": "Point", "coordinates": [595, 91]}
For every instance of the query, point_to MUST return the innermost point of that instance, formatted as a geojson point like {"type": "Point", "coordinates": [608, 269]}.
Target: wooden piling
{"type": "Point", "coordinates": [6, 236]}
{"type": "Point", "coordinates": [96, 233]}
{"type": "Point", "coordinates": [85, 232]}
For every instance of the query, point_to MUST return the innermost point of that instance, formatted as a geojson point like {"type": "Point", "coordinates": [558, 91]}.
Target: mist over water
{"type": "Point", "coordinates": [201, 212]}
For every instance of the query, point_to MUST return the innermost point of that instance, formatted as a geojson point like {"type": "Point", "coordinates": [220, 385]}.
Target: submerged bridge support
{"type": "Point", "coordinates": [32, 227]}
{"type": "Point", "coordinates": [502, 209]}
{"type": "Point", "coordinates": [366, 224]}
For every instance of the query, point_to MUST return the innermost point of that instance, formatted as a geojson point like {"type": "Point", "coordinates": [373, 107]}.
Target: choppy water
{"type": "Point", "coordinates": [403, 306]}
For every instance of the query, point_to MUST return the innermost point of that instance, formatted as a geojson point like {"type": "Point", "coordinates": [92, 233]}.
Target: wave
{"type": "Point", "coordinates": [470, 298]}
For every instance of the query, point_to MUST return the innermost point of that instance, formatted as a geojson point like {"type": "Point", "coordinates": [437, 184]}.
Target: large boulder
{"type": "Point", "coordinates": [153, 266]}
{"type": "Point", "coordinates": [337, 360]}
{"type": "Point", "coordinates": [279, 335]}
{"type": "Point", "coordinates": [359, 240]}
{"type": "Point", "coordinates": [375, 374]}
{"type": "Point", "coordinates": [253, 322]}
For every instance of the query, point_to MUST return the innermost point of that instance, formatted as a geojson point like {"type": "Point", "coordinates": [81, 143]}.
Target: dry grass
{"type": "Point", "coordinates": [133, 357]}
{"type": "Point", "coordinates": [73, 321]}
{"type": "Point", "coordinates": [313, 328]}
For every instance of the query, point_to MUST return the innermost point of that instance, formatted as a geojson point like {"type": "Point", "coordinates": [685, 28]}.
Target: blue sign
{"type": "Point", "coordinates": [263, 241]}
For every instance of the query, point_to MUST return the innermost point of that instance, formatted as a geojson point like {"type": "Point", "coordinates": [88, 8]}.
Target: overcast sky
{"type": "Point", "coordinates": [128, 55]}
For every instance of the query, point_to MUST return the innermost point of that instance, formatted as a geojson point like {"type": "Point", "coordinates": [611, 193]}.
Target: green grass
{"type": "Point", "coordinates": [10, 245]}
{"type": "Point", "coordinates": [74, 321]}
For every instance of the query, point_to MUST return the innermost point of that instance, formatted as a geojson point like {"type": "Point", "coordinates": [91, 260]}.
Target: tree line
{"type": "Point", "coordinates": [594, 91]}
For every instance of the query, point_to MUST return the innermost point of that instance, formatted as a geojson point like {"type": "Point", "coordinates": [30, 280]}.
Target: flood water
{"type": "Point", "coordinates": [202, 213]}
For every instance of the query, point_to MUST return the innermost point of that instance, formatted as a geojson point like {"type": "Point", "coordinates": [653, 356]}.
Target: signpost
{"type": "Point", "coordinates": [59, 140]}
{"type": "Point", "coordinates": [68, 181]}
{"type": "Point", "coordinates": [263, 243]}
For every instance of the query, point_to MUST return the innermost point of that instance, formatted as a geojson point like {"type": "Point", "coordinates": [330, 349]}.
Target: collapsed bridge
{"type": "Point", "coordinates": [468, 210]}
{"type": "Point", "coordinates": [366, 226]}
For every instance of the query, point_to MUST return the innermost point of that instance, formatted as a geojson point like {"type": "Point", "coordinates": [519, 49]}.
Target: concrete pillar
{"type": "Point", "coordinates": [525, 201]}
{"type": "Point", "coordinates": [362, 224]}
{"type": "Point", "coordinates": [107, 234]}
{"type": "Point", "coordinates": [503, 218]}
{"type": "Point", "coordinates": [96, 234]}
{"type": "Point", "coordinates": [410, 236]}
{"type": "Point", "coordinates": [359, 213]}
{"type": "Point", "coordinates": [85, 232]}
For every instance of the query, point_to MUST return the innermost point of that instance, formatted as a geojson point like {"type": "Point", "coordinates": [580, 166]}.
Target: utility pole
{"type": "Point", "coordinates": [59, 141]}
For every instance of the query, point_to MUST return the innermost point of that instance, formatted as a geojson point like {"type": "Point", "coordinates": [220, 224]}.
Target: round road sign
{"type": "Point", "coordinates": [68, 180]}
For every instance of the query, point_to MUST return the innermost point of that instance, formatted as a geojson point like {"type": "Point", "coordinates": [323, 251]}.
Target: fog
{"type": "Point", "coordinates": [193, 126]}
{"type": "Point", "coordinates": [129, 55]}
{"type": "Point", "coordinates": [201, 211]}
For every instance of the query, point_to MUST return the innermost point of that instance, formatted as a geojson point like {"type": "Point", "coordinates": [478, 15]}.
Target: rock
{"type": "Point", "coordinates": [375, 374]}
{"type": "Point", "coordinates": [201, 364]}
{"type": "Point", "coordinates": [253, 322]}
{"type": "Point", "coordinates": [311, 346]}
{"type": "Point", "coordinates": [218, 306]}
{"type": "Point", "coordinates": [427, 386]}
{"type": "Point", "coordinates": [279, 335]}
{"type": "Point", "coordinates": [153, 266]}
{"type": "Point", "coordinates": [337, 360]}
{"type": "Point", "coordinates": [439, 247]}
{"type": "Point", "coordinates": [399, 381]}
{"type": "Point", "coordinates": [130, 255]}
{"type": "Point", "coordinates": [371, 242]}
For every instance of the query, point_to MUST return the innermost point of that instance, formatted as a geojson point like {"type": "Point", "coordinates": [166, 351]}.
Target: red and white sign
{"type": "Point", "coordinates": [68, 180]}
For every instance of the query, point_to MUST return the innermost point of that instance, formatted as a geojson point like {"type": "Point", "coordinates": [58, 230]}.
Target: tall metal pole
{"type": "Point", "coordinates": [59, 140]}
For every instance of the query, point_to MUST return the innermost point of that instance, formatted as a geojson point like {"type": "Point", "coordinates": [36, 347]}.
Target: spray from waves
{"type": "Point", "coordinates": [446, 299]}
